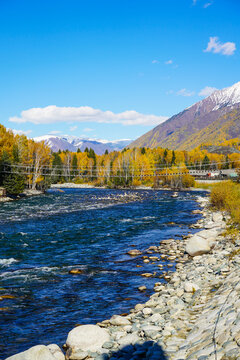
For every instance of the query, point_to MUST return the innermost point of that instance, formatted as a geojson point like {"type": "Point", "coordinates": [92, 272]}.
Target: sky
{"type": "Point", "coordinates": [112, 69]}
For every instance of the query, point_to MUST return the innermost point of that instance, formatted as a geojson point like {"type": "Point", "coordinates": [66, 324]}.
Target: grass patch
{"type": "Point", "coordinates": [206, 185]}
{"type": "Point", "coordinates": [225, 196]}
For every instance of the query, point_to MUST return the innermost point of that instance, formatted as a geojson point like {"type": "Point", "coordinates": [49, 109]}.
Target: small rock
{"type": "Point", "coordinates": [118, 320]}
{"type": "Point", "coordinates": [130, 339]}
{"type": "Point", "coordinates": [75, 271]}
{"type": "Point", "coordinates": [134, 252]}
{"type": "Point", "coordinates": [142, 288]}
{"type": "Point", "coordinates": [197, 211]}
{"type": "Point", "coordinates": [148, 274]}
{"type": "Point", "coordinates": [147, 311]}
{"type": "Point", "coordinates": [191, 287]}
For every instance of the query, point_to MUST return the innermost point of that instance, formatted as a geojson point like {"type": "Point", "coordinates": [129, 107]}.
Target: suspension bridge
{"type": "Point", "coordinates": [211, 171]}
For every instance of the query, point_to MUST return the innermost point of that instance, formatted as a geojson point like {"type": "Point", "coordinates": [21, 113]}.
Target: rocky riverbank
{"type": "Point", "coordinates": [194, 312]}
{"type": "Point", "coordinates": [25, 193]}
{"type": "Point", "coordinates": [71, 186]}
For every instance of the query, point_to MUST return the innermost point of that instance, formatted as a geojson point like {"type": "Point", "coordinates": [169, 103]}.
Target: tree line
{"type": "Point", "coordinates": [25, 163]}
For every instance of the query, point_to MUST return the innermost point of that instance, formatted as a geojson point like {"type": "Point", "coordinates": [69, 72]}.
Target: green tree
{"type": "Point", "coordinates": [92, 155]}
{"type": "Point", "coordinates": [206, 163]}
{"type": "Point", "coordinates": [165, 154]}
{"type": "Point", "coordinates": [57, 168]}
{"type": "Point", "coordinates": [173, 161]}
{"type": "Point", "coordinates": [14, 184]}
{"type": "Point", "coordinates": [74, 166]}
{"type": "Point", "coordinates": [16, 155]}
{"type": "Point", "coordinates": [5, 167]}
{"type": "Point", "coordinates": [227, 164]}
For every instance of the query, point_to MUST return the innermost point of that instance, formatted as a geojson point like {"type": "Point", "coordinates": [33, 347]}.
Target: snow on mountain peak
{"type": "Point", "coordinates": [226, 97]}
{"type": "Point", "coordinates": [45, 138]}
{"type": "Point", "coordinates": [72, 143]}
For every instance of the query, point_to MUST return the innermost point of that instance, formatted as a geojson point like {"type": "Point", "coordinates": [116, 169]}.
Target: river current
{"type": "Point", "coordinates": [42, 238]}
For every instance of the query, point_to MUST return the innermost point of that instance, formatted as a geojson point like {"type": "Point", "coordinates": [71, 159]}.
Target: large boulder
{"type": "Point", "coordinates": [85, 338]}
{"type": "Point", "coordinates": [39, 352]}
{"type": "Point", "coordinates": [211, 233]}
{"type": "Point", "coordinates": [56, 352]}
{"type": "Point", "coordinates": [197, 245]}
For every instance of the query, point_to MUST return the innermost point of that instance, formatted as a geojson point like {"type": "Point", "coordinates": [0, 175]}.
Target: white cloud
{"type": "Point", "coordinates": [155, 62]}
{"type": "Point", "coordinates": [88, 130]}
{"type": "Point", "coordinates": [54, 114]}
{"type": "Point", "coordinates": [208, 90]}
{"type": "Point", "coordinates": [207, 5]}
{"type": "Point", "coordinates": [215, 46]}
{"type": "Point", "coordinates": [20, 132]}
{"type": "Point", "coordinates": [185, 92]}
{"type": "Point", "coordinates": [168, 62]}
{"type": "Point", "coordinates": [73, 128]}
{"type": "Point", "coordinates": [54, 132]}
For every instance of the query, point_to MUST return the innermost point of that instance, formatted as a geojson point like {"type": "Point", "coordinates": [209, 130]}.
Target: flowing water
{"type": "Point", "coordinates": [42, 238]}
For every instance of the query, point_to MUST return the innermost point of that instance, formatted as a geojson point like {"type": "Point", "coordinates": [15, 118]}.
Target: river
{"type": "Point", "coordinates": [42, 238]}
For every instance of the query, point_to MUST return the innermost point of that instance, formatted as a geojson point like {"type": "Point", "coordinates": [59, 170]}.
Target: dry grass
{"type": "Point", "coordinates": [225, 196]}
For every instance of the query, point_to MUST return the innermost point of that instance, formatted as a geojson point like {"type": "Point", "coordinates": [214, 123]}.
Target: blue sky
{"type": "Point", "coordinates": [112, 69]}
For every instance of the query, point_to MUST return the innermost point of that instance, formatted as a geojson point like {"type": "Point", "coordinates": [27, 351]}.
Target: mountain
{"type": "Point", "coordinates": [211, 120]}
{"type": "Point", "coordinates": [73, 143]}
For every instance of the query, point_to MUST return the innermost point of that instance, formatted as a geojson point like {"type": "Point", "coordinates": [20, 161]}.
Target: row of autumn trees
{"type": "Point", "coordinates": [25, 163]}
{"type": "Point", "coordinates": [21, 162]}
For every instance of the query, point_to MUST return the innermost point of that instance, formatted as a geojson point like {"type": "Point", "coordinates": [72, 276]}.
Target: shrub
{"type": "Point", "coordinates": [136, 182]}
{"type": "Point", "coordinates": [188, 181]}
{"type": "Point", "coordinates": [78, 181]}
{"type": "Point", "coordinates": [226, 196]}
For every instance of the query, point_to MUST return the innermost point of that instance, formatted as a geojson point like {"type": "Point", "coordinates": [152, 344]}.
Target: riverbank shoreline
{"type": "Point", "coordinates": [25, 193]}
{"type": "Point", "coordinates": [142, 187]}
{"type": "Point", "coordinates": [179, 319]}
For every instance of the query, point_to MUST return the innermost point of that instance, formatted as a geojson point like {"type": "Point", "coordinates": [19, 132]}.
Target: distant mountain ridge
{"type": "Point", "coordinates": [73, 143]}
{"type": "Point", "coordinates": [211, 120]}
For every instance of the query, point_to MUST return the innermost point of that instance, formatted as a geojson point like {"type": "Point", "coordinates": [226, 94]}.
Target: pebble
{"type": "Point", "coordinates": [134, 252]}
{"type": "Point", "coordinates": [142, 288]}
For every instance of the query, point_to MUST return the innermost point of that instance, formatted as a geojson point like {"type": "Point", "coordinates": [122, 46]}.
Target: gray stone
{"type": "Point", "coordinates": [108, 345]}
{"type": "Point", "coordinates": [147, 311]}
{"type": "Point", "coordinates": [197, 245]}
{"type": "Point", "coordinates": [130, 339]}
{"type": "Point", "coordinates": [39, 352]}
{"type": "Point", "coordinates": [118, 320]}
{"type": "Point", "coordinates": [190, 287]}
{"type": "Point", "coordinates": [87, 337]}
{"type": "Point", "coordinates": [76, 355]}
{"type": "Point", "coordinates": [56, 351]}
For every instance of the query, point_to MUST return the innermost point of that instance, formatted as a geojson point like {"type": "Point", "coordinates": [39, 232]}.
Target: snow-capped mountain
{"type": "Point", "coordinates": [73, 143]}
{"type": "Point", "coordinates": [226, 97]}
{"type": "Point", "coordinates": [210, 120]}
